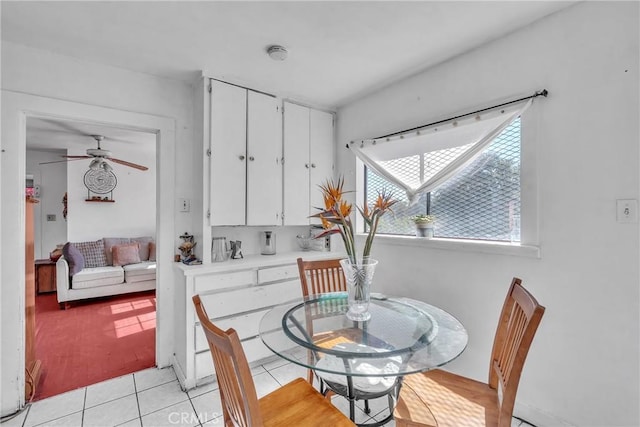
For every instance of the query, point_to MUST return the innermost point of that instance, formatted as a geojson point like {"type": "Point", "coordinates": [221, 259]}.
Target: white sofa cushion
{"type": "Point", "coordinates": [139, 272]}
{"type": "Point", "coordinates": [98, 276]}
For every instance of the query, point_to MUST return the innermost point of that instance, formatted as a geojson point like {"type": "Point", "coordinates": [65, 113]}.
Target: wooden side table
{"type": "Point", "coordinates": [45, 275]}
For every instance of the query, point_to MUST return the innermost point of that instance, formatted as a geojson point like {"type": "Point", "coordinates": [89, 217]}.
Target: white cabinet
{"type": "Point", "coordinates": [296, 164]}
{"type": "Point", "coordinates": [308, 161]}
{"type": "Point", "coordinates": [264, 152]}
{"type": "Point", "coordinates": [245, 186]}
{"type": "Point", "coordinates": [236, 294]}
{"type": "Point", "coordinates": [228, 176]}
{"type": "Point", "coordinates": [321, 147]}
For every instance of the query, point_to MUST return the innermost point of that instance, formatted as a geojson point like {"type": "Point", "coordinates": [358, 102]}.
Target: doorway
{"type": "Point", "coordinates": [117, 333]}
{"type": "Point", "coordinates": [16, 108]}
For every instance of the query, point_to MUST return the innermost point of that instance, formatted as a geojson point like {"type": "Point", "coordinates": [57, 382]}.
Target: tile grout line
{"type": "Point", "coordinates": [135, 388]}
{"type": "Point", "coordinates": [26, 415]}
{"type": "Point", "coordinates": [84, 403]}
{"type": "Point", "coordinates": [194, 410]}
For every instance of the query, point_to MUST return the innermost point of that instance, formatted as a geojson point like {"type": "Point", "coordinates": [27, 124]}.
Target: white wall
{"type": "Point", "coordinates": [95, 93]}
{"type": "Point", "coordinates": [583, 367]}
{"type": "Point", "coordinates": [52, 179]}
{"type": "Point", "coordinates": [134, 195]}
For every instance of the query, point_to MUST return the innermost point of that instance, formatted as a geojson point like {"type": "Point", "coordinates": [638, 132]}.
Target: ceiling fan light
{"type": "Point", "coordinates": [106, 166]}
{"type": "Point", "coordinates": [95, 164]}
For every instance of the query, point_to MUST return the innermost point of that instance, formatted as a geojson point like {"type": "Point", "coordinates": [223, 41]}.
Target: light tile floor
{"type": "Point", "coordinates": [153, 398]}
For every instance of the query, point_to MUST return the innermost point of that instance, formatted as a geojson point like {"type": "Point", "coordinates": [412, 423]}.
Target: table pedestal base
{"type": "Point", "coordinates": [352, 394]}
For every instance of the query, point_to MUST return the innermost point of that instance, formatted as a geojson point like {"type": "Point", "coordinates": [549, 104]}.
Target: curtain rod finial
{"type": "Point", "coordinates": [544, 93]}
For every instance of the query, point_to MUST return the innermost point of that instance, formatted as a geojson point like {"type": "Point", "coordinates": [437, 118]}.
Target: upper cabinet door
{"type": "Point", "coordinates": [296, 164]}
{"type": "Point", "coordinates": [228, 154]}
{"type": "Point", "coordinates": [320, 156]}
{"type": "Point", "coordinates": [264, 153]}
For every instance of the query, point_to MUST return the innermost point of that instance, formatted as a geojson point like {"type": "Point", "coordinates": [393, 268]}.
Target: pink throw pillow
{"type": "Point", "coordinates": [125, 254]}
{"type": "Point", "coordinates": [152, 251]}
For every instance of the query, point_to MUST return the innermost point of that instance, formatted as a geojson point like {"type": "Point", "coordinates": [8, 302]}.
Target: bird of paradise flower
{"type": "Point", "coordinates": [336, 216]}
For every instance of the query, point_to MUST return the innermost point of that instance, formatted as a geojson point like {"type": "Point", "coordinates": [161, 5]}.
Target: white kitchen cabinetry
{"type": "Point", "coordinates": [308, 161]}
{"type": "Point", "coordinates": [245, 186]}
{"type": "Point", "coordinates": [236, 294]}
{"type": "Point", "coordinates": [228, 178]}
{"type": "Point", "coordinates": [264, 152]}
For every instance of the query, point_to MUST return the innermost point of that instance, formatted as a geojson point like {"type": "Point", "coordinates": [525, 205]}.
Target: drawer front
{"type": "Point", "coordinates": [248, 299]}
{"type": "Point", "coordinates": [285, 272]}
{"type": "Point", "coordinates": [214, 282]}
{"type": "Point", "coordinates": [254, 350]}
{"type": "Point", "coordinates": [246, 326]}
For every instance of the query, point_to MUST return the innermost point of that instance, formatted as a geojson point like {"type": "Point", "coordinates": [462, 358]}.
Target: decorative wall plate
{"type": "Point", "coordinates": [100, 181]}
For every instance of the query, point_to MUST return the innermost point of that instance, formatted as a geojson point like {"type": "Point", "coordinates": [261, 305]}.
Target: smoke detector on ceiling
{"type": "Point", "coordinates": [277, 53]}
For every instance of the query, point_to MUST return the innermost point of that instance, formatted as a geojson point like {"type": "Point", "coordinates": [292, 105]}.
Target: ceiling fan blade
{"type": "Point", "coordinates": [132, 165]}
{"type": "Point", "coordinates": [77, 157]}
{"type": "Point", "coordinates": [65, 161]}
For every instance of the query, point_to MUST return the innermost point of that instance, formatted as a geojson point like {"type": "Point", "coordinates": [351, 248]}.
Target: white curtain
{"type": "Point", "coordinates": [452, 145]}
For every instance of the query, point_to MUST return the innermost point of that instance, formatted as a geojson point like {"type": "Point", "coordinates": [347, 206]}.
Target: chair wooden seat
{"type": "Point", "coordinates": [441, 399]}
{"type": "Point", "coordinates": [294, 404]}
{"type": "Point", "coordinates": [311, 408]}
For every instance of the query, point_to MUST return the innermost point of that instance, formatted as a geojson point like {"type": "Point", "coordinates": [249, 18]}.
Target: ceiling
{"type": "Point", "coordinates": [54, 134]}
{"type": "Point", "coordinates": [338, 50]}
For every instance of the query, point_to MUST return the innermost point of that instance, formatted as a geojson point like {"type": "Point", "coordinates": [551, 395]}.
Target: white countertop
{"type": "Point", "coordinates": [253, 261]}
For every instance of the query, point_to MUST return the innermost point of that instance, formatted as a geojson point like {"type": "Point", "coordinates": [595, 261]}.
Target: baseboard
{"type": "Point", "coordinates": [537, 417]}
{"type": "Point", "coordinates": [182, 378]}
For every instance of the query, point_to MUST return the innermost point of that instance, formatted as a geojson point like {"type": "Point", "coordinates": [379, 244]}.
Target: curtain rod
{"type": "Point", "coordinates": [542, 92]}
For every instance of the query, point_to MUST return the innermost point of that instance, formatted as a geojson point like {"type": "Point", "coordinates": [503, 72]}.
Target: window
{"type": "Point", "coordinates": [481, 201]}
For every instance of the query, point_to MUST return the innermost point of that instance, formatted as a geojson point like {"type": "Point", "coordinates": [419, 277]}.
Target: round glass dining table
{"type": "Point", "coordinates": [403, 336]}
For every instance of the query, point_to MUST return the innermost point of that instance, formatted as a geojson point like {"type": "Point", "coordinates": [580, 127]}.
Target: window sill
{"type": "Point", "coordinates": [481, 246]}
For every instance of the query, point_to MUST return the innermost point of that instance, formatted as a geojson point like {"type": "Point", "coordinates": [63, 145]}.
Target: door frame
{"type": "Point", "coordinates": [16, 107]}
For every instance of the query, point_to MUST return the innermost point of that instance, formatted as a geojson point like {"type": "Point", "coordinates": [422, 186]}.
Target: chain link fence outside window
{"type": "Point", "coordinates": [481, 202]}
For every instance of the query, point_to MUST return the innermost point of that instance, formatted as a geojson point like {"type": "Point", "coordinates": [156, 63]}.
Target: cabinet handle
{"type": "Point", "coordinates": [241, 157]}
{"type": "Point", "coordinates": [251, 158]}
{"type": "Point", "coordinates": [313, 165]}
{"type": "Point", "coordinates": [306, 165]}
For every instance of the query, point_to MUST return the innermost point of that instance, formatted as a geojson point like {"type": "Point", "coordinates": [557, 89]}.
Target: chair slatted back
{"type": "Point", "coordinates": [237, 391]}
{"type": "Point", "coordinates": [519, 320]}
{"type": "Point", "coordinates": [318, 277]}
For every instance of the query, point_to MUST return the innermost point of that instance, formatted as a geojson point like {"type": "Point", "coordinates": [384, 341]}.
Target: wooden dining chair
{"type": "Point", "coordinates": [294, 404]}
{"type": "Point", "coordinates": [323, 276]}
{"type": "Point", "coordinates": [442, 399]}
{"type": "Point", "coordinates": [319, 277]}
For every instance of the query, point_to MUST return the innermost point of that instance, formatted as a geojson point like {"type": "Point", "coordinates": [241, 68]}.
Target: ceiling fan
{"type": "Point", "coordinates": [100, 157]}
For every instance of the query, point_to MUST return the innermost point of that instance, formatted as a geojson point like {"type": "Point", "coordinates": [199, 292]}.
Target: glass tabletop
{"type": "Point", "coordinates": [403, 335]}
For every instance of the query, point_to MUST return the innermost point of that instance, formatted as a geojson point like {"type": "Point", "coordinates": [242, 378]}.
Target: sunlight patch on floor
{"type": "Point", "coordinates": [131, 306]}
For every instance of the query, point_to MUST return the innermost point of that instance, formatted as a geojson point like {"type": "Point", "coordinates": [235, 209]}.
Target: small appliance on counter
{"type": "Point", "coordinates": [219, 251]}
{"type": "Point", "coordinates": [267, 243]}
{"type": "Point", "coordinates": [236, 249]}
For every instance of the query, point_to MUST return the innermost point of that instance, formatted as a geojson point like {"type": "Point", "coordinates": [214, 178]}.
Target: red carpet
{"type": "Point", "coordinates": [94, 340]}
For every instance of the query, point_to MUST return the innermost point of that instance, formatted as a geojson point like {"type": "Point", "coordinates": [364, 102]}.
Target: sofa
{"type": "Point", "coordinates": [105, 267]}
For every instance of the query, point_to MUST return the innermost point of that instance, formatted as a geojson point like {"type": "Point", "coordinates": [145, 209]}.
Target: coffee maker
{"type": "Point", "coordinates": [268, 243]}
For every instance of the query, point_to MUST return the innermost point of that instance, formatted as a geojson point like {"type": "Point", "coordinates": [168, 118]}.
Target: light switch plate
{"type": "Point", "coordinates": [184, 205]}
{"type": "Point", "coordinates": [627, 210]}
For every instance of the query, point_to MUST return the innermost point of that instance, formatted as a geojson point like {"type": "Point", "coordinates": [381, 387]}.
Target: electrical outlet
{"type": "Point", "coordinates": [51, 217]}
{"type": "Point", "coordinates": [184, 205]}
{"type": "Point", "coordinates": [627, 210]}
